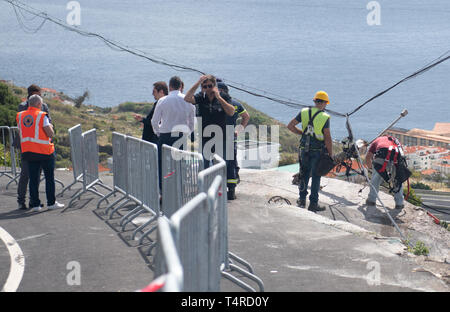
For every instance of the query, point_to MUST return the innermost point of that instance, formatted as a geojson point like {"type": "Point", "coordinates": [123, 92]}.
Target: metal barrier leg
{"type": "Point", "coordinates": [237, 281]}
{"type": "Point", "coordinates": [77, 194]}
{"type": "Point", "coordinates": [115, 203]}
{"type": "Point", "coordinates": [58, 181]}
{"type": "Point", "coordinates": [147, 233]}
{"type": "Point", "coordinates": [96, 193]}
{"type": "Point", "coordinates": [120, 207]}
{"type": "Point", "coordinates": [106, 196]}
{"type": "Point", "coordinates": [13, 180]}
{"type": "Point", "coordinates": [241, 261]}
{"type": "Point", "coordinates": [139, 229]}
{"type": "Point", "coordinates": [152, 245]}
{"type": "Point", "coordinates": [130, 216]}
{"type": "Point", "coordinates": [67, 188]}
{"type": "Point", "coordinates": [248, 275]}
{"type": "Point", "coordinates": [100, 183]}
{"type": "Point", "coordinates": [74, 197]}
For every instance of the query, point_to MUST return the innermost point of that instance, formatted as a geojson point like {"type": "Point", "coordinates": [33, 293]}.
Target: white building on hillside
{"type": "Point", "coordinates": [425, 157]}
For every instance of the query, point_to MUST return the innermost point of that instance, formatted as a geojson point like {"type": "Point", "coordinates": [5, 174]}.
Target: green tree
{"type": "Point", "coordinates": [8, 106]}
{"type": "Point", "coordinates": [79, 100]}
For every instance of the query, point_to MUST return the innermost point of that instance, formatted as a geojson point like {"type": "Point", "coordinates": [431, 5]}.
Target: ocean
{"type": "Point", "coordinates": [285, 47]}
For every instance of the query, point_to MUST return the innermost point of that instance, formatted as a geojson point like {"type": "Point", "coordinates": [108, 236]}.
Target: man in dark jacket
{"type": "Point", "coordinates": [159, 90]}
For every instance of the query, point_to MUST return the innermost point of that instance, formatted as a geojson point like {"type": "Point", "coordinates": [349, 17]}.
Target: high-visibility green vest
{"type": "Point", "coordinates": [318, 122]}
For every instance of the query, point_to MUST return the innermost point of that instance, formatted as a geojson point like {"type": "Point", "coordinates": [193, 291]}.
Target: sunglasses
{"type": "Point", "coordinates": [320, 101]}
{"type": "Point", "coordinates": [207, 86]}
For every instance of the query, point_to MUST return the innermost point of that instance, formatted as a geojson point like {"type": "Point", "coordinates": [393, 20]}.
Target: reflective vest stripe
{"type": "Point", "coordinates": [36, 126]}
{"type": "Point", "coordinates": [46, 142]}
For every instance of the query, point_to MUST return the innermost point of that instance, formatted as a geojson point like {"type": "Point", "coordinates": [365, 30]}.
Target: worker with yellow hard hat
{"type": "Point", "coordinates": [315, 139]}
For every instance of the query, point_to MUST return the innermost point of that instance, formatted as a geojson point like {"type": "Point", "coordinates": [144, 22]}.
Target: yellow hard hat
{"type": "Point", "coordinates": [322, 95]}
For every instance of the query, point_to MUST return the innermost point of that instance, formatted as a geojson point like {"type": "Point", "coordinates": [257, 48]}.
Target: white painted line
{"type": "Point", "coordinates": [17, 262]}
{"type": "Point", "coordinates": [32, 237]}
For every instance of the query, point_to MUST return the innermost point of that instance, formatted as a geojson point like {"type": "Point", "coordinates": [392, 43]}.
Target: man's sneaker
{"type": "Point", "coordinates": [23, 207]}
{"type": "Point", "coordinates": [56, 205]}
{"type": "Point", "coordinates": [399, 206]}
{"type": "Point", "coordinates": [301, 203]}
{"type": "Point", "coordinates": [314, 207]}
{"type": "Point", "coordinates": [37, 208]}
{"type": "Point", "coordinates": [370, 203]}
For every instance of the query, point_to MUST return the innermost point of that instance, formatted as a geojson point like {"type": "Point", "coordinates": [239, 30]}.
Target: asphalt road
{"type": "Point", "coordinates": [439, 204]}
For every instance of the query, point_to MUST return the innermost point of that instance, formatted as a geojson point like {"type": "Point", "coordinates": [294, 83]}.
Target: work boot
{"type": "Point", "coordinates": [314, 207]}
{"type": "Point", "coordinates": [301, 203]}
{"type": "Point", "coordinates": [231, 194]}
{"type": "Point", "coordinates": [399, 206]}
{"type": "Point", "coordinates": [370, 203]}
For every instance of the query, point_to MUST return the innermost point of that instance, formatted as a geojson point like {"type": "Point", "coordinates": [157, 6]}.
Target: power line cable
{"type": "Point", "coordinates": [415, 74]}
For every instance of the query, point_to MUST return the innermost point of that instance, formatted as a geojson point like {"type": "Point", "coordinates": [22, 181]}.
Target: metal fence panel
{"type": "Point", "coordinates": [150, 194]}
{"type": "Point", "coordinates": [120, 165]}
{"type": "Point", "coordinates": [191, 229]}
{"type": "Point", "coordinates": [214, 235]}
{"type": "Point", "coordinates": [171, 199]}
{"type": "Point", "coordinates": [206, 178]}
{"type": "Point", "coordinates": [76, 150]}
{"type": "Point", "coordinates": [134, 160]}
{"type": "Point", "coordinates": [15, 150]}
{"type": "Point", "coordinates": [175, 275]}
{"type": "Point", "coordinates": [180, 171]}
{"type": "Point", "coordinates": [7, 156]}
{"type": "Point", "coordinates": [90, 158]}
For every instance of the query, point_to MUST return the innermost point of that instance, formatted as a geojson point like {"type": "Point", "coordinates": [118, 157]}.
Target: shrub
{"type": "Point", "coordinates": [420, 186]}
{"type": "Point", "coordinates": [288, 159]}
{"type": "Point", "coordinates": [413, 198]}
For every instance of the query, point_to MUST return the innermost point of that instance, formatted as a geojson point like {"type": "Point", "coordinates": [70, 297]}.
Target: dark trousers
{"type": "Point", "coordinates": [23, 181]}
{"type": "Point", "coordinates": [48, 166]}
{"type": "Point", "coordinates": [308, 163]}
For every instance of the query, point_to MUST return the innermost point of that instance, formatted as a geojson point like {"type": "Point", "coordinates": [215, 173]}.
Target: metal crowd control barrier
{"type": "Point", "coordinates": [190, 224]}
{"type": "Point", "coordinates": [90, 161]}
{"type": "Point", "coordinates": [172, 280]}
{"type": "Point", "coordinates": [8, 168]}
{"type": "Point", "coordinates": [120, 169]}
{"type": "Point", "coordinates": [76, 147]}
{"type": "Point", "coordinates": [135, 168]}
{"type": "Point", "coordinates": [195, 242]}
{"type": "Point", "coordinates": [15, 152]}
{"type": "Point", "coordinates": [206, 178]}
{"type": "Point", "coordinates": [180, 171]}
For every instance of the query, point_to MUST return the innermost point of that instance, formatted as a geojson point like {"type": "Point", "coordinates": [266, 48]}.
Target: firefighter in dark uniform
{"type": "Point", "coordinates": [316, 139]}
{"type": "Point", "coordinates": [232, 164]}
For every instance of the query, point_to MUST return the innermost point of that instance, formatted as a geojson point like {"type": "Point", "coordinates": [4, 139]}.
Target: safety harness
{"type": "Point", "coordinates": [309, 130]}
{"type": "Point", "coordinates": [390, 163]}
